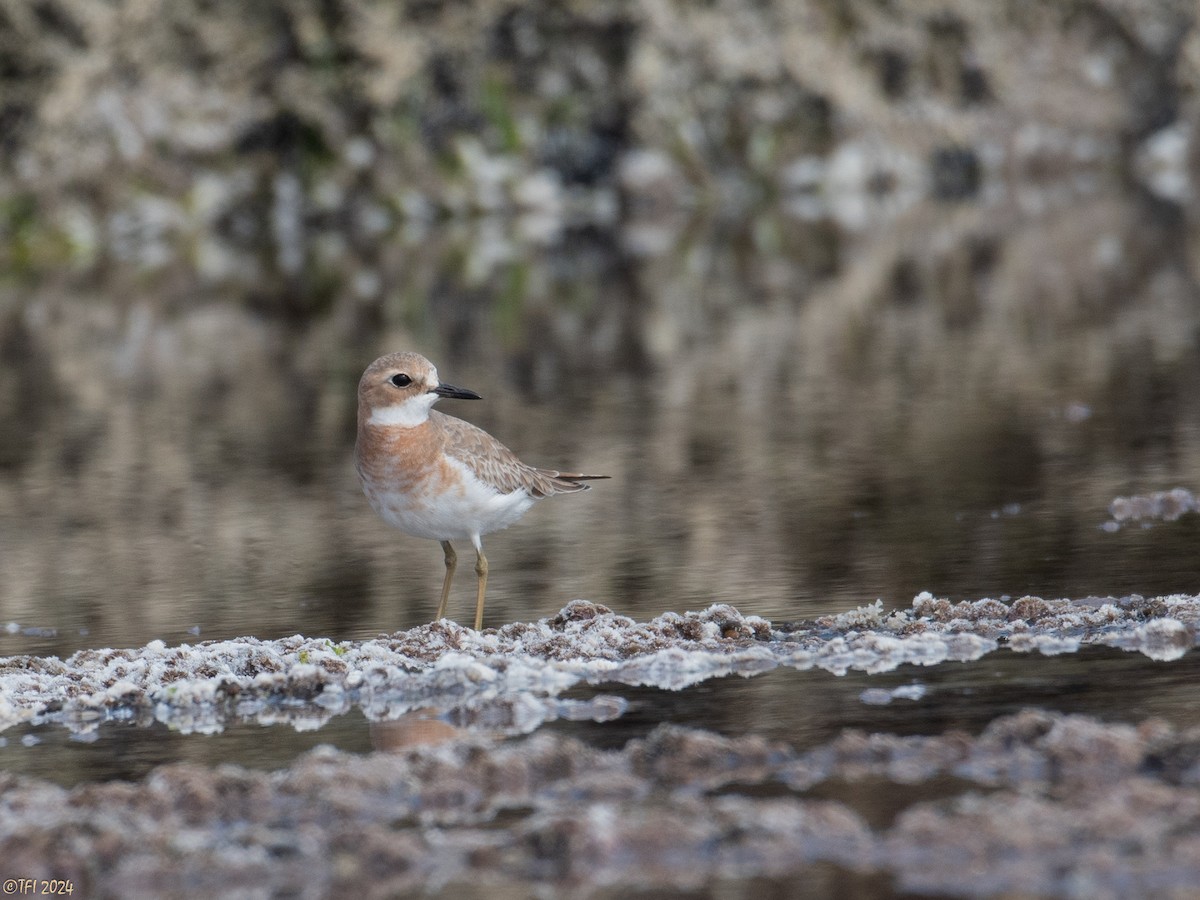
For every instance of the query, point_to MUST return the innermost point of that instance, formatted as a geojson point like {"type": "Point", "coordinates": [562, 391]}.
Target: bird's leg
{"type": "Point", "coordinates": [451, 562]}
{"type": "Point", "coordinates": [481, 571]}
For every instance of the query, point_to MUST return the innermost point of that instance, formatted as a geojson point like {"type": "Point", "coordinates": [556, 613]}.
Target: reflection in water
{"type": "Point", "coordinates": [495, 717]}
{"type": "Point", "coordinates": [423, 728]}
{"type": "Point", "coordinates": [798, 419]}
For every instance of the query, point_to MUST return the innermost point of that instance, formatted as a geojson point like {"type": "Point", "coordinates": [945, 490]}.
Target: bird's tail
{"type": "Point", "coordinates": [569, 482]}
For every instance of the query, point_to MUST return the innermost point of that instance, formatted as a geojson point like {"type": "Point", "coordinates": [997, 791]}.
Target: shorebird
{"type": "Point", "coordinates": [437, 477]}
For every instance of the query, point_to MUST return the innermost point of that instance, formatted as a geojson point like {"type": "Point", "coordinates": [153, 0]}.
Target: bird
{"type": "Point", "coordinates": [434, 476]}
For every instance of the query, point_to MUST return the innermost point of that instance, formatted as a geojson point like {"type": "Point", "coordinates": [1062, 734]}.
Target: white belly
{"type": "Point", "coordinates": [464, 511]}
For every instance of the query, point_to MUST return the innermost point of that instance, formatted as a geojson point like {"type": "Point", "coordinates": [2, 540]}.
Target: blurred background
{"type": "Point", "coordinates": [852, 300]}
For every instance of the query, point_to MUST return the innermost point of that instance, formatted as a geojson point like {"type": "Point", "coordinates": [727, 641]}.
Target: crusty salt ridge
{"type": "Point", "coordinates": [306, 681]}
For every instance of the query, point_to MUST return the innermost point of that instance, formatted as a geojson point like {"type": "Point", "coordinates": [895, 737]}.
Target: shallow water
{"type": "Point", "coordinates": [178, 466]}
{"type": "Point", "coordinates": [949, 402]}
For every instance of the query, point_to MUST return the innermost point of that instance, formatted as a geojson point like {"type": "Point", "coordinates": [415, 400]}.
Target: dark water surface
{"type": "Point", "coordinates": [949, 403]}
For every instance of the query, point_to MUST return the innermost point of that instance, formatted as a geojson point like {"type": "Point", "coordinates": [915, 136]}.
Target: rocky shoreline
{"type": "Point", "coordinates": [275, 140]}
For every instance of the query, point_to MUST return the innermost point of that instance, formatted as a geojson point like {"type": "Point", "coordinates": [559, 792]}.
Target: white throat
{"type": "Point", "coordinates": [412, 412]}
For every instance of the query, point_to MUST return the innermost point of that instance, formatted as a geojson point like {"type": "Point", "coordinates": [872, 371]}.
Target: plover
{"type": "Point", "coordinates": [437, 477]}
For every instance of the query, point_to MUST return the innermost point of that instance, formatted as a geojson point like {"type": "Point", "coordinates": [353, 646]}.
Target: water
{"type": "Point", "coordinates": [950, 410]}
{"type": "Point", "coordinates": [798, 418]}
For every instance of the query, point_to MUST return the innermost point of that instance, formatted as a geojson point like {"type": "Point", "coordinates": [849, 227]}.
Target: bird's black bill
{"type": "Point", "coordinates": [455, 393]}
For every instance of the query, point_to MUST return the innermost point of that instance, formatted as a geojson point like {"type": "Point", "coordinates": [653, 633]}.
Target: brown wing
{"type": "Point", "coordinates": [498, 466]}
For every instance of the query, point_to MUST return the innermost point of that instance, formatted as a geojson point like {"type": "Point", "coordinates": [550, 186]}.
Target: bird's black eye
{"type": "Point", "coordinates": [400, 380]}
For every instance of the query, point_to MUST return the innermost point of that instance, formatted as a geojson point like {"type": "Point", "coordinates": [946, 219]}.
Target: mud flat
{"type": "Point", "coordinates": [466, 790]}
